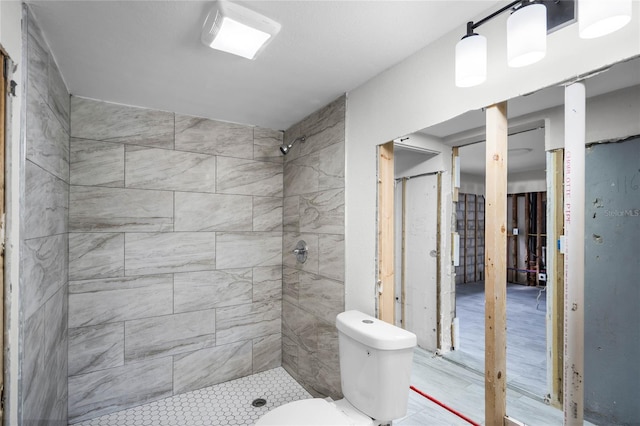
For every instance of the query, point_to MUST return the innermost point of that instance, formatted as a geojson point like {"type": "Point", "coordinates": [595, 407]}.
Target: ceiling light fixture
{"type": "Point", "coordinates": [597, 18]}
{"type": "Point", "coordinates": [527, 32]}
{"type": "Point", "coordinates": [235, 29]}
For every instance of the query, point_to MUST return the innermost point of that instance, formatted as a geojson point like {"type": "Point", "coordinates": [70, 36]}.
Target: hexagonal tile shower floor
{"type": "Point", "coordinates": [228, 403]}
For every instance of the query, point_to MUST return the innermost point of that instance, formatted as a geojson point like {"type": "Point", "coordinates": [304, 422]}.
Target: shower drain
{"type": "Point", "coordinates": [259, 402]}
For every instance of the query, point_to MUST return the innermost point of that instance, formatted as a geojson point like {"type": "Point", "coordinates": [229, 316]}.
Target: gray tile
{"type": "Point", "coordinates": [322, 212]}
{"type": "Point", "coordinates": [267, 352]}
{"type": "Point", "coordinates": [96, 255]}
{"type": "Point", "coordinates": [331, 167]}
{"type": "Point", "coordinates": [37, 58]}
{"type": "Point", "coordinates": [267, 214]}
{"type": "Point", "coordinates": [59, 99]}
{"type": "Point", "coordinates": [212, 212]}
{"type": "Point", "coordinates": [331, 256]}
{"type": "Point", "coordinates": [151, 168]}
{"type": "Point", "coordinates": [321, 296]}
{"type": "Point", "coordinates": [96, 348]}
{"type": "Point", "coordinates": [240, 250]}
{"type": "Point", "coordinates": [102, 121]}
{"type": "Point", "coordinates": [107, 300]}
{"type": "Point", "coordinates": [213, 137]}
{"type": "Point", "coordinates": [245, 322]}
{"type": "Point", "coordinates": [32, 375]}
{"type": "Point", "coordinates": [44, 270]}
{"type": "Point", "coordinates": [248, 177]}
{"type": "Point", "coordinates": [223, 363]}
{"type": "Point", "coordinates": [102, 392]}
{"type": "Point", "coordinates": [267, 283]}
{"type": "Point", "coordinates": [290, 285]}
{"type": "Point", "coordinates": [212, 289]}
{"type": "Point", "coordinates": [290, 240]}
{"type": "Point", "coordinates": [55, 317]}
{"type": "Point", "coordinates": [95, 209]}
{"type": "Point", "coordinates": [47, 141]}
{"type": "Point", "coordinates": [97, 163]}
{"type": "Point", "coordinates": [320, 379]}
{"type": "Point", "coordinates": [46, 391]}
{"type": "Point", "coordinates": [266, 145]}
{"type": "Point", "coordinates": [169, 335]}
{"type": "Point", "coordinates": [291, 214]}
{"type": "Point", "coordinates": [301, 175]}
{"type": "Point", "coordinates": [169, 252]}
{"type": "Point", "coordinates": [323, 128]}
{"type": "Point", "coordinates": [46, 203]}
{"type": "Point", "coordinates": [290, 355]}
{"type": "Point", "coordinates": [300, 327]}
{"type": "Point", "coordinates": [328, 351]}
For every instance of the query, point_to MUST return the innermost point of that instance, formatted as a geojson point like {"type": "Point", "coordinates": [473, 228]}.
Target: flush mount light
{"type": "Point", "coordinates": [597, 18]}
{"type": "Point", "coordinates": [235, 29]}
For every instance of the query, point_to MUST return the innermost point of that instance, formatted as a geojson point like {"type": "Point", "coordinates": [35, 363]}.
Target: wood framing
{"type": "Point", "coordinates": [438, 262]}
{"type": "Point", "coordinates": [3, 97]}
{"type": "Point", "coordinates": [403, 283]}
{"type": "Point", "coordinates": [496, 265]}
{"type": "Point", "coordinates": [386, 299]}
{"type": "Point", "coordinates": [555, 277]}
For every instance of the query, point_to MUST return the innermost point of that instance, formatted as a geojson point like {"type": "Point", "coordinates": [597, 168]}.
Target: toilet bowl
{"type": "Point", "coordinates": [315, 411]}
{"type": "Point", "coordinates": [375, 366]}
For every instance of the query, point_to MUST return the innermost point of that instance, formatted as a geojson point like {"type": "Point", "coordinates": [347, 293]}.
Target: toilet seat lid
{"type": "Point", "coordinates": [314, 411]}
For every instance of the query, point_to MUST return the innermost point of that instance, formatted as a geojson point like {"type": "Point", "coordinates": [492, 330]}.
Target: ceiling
{"type": "Point", "coordinates": [148, 53]}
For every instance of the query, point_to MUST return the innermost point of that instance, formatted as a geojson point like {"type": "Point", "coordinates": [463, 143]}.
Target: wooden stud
{"type": "Point", "coordinates": [475, 240]}
{"type": "Point", "coordinates": [557, 305]}
{"type": "Point", "coordinates": [454, 172]}
{"type": "Point", "coordinates": [538, 236]}
{"type": "Point", "coordinates": [464, 241]}
{"type": "Point", "coordinates": [386, 295]}
{"type": "Point", "coordinates": [403, 284]}
{"type": "Point", "coordinates": [496, 265]}
{"type": "Point", "coordinates": [527, 227]}
{"type": "Point", "coordinates": [438, 265]}
{"type": "Point", "coordinates": [3, 115]}
{"type": "Point", "coordinates": [514, 224]}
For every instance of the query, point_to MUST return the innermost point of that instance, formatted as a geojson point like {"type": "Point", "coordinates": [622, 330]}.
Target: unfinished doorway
{"type": "Point", "coordinates": [525, 261]}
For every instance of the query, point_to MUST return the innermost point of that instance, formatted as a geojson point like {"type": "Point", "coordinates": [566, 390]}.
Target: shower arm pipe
{"type": "Point", "coordinates": [284, 148]}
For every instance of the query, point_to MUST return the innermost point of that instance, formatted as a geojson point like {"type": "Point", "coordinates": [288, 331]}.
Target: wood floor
{"type": "Point", "coordinates": [463, 390]}
{"type": "Point", "coordinates": [526, 335]}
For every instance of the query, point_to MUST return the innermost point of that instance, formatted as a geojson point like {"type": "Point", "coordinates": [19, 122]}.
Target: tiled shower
{"type": "Point", "coordinates": [175, 254]}
{"type": "Point", "coordinates": [154, 246]}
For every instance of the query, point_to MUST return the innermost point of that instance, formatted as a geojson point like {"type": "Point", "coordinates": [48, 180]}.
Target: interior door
{"type": "Point", "coordinates": [421, 256]}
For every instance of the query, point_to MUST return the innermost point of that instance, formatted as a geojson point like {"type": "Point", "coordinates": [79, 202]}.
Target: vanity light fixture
{"type": "Point", "coordinates": [597, 18]}
{"type": "Point", "coordinates": [527, 35]}
{"type": "Point", "coordinates": [527, 31]}
{"type": "Point", "coordinates": [235, 29]}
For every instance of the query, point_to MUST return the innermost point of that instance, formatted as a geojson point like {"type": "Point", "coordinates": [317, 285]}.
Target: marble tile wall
{"type": "Point", "coordinates": [175, 254]}
{"type": "Point", "coordinates": [44, 238]}
{"type": "Point", "coordinates": [313, 210]}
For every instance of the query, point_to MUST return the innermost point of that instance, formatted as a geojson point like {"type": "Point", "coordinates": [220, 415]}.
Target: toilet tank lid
{"type": "Point", "coordinates": [373, 332]}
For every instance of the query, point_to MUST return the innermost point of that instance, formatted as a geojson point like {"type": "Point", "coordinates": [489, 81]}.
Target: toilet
{"type": "Point", "coordinates": [375, 367]}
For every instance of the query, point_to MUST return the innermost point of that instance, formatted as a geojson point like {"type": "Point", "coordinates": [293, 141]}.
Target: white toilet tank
{"type": "Point", "coordinates": [375, 365]}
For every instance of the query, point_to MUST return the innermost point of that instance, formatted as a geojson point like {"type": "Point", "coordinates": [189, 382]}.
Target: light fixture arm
{"type": "Point", "coordinates": [473, 25]}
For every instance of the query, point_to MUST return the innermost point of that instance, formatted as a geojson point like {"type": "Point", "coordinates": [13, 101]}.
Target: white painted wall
{"type": "Point", "coordinates": [420, 92]}
{"type": "Point", "coordinates": [11, 41]}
